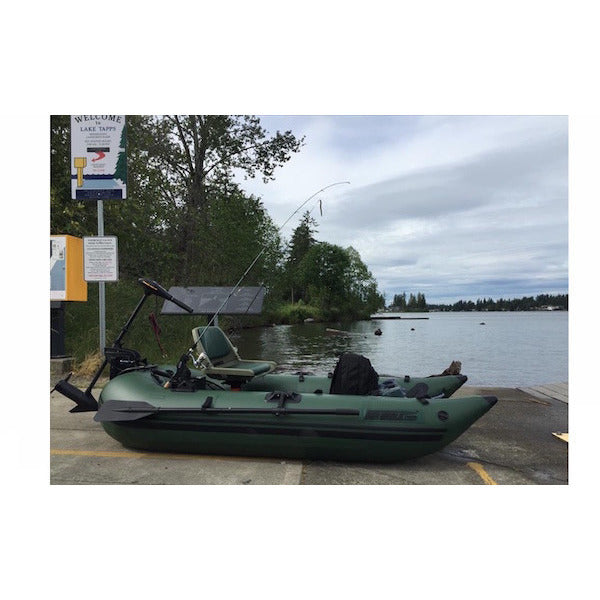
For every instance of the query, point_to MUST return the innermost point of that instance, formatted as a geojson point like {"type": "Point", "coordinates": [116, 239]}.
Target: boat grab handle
{"type": "Point", "coordinates": [282, 397]}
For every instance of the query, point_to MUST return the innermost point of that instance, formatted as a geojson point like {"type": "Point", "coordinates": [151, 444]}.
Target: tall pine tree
{"type": "Point", "coordinates": [302, 241]}
{"type": "Point", "coordinates": [121, 168]}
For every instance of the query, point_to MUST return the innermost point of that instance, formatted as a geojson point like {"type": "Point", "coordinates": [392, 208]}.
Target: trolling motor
{"type": "Point", "coordinates": [119, 358]}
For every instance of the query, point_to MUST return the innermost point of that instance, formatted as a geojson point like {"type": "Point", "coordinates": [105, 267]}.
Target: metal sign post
{"type": "Point", "coordinates": [99, 172]}
{"type": "Point", "coordinates": [101, 288]}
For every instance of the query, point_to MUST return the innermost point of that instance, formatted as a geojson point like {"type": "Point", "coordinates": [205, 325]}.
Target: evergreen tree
{"type": "Point", "coordinates": [302, 239]}
{"type": "Point", "coordinates": [301, 242]}
{"type": "Point", "coordinates": [121, 168]}
{"type": "Point", "coordinates": [412, 302]}
{"type": "Point", "coordinates": [399, 302]}
{"type": "Point", "coordinates": [402, 302]}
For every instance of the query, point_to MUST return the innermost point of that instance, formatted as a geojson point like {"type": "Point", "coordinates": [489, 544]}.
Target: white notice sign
{"type": "Point", "coordinates": [100, 258]}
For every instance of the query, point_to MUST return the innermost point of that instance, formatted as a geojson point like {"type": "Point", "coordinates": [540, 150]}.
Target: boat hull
{"type": "Point", "coordinates": [253, 423]}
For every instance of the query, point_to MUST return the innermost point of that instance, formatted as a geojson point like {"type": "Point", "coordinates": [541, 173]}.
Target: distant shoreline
{"type": "Point", "coordinates": [541, 302]}
{"type": "Point", "coordinates": [444, 310]}
{"type": "Point", "coordinates": [503, 310]}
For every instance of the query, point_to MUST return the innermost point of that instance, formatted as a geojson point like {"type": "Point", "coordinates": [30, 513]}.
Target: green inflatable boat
{"type": "Point", "coordinates": [136, 409]}
{"type": "Point", "coordinates": [231, 406]}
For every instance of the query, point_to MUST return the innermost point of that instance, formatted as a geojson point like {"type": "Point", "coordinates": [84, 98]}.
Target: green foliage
{"type": "Point", "coordinates": [121, 168]}
{"type": "Point", "coordinates": [240, 230]}
{"type": "Point", "coordinates": [362, 287]}
{"type": "Point", "coordinates": [414, 303]}
{"type": "Point", "coordinates": [186, 222]}
{"type": "Point", "coordinates": [399, 302]}
{"type": "Point", "coordinates": [331, 279]}
{"type": "Point", "coordinates": [297, 312]}
{"type": "Point", "coordinates": [290, 285]}
{"type": "Point", "coordinates": [302, 240]}
{"type": "Point", "coordinates": [338, 282]}
{"type": "Point", "coordinates": [82, 328]}
{"type": "Point", "coordinates": [197, 155]}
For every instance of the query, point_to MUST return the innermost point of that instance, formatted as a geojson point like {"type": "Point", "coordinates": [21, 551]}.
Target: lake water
{"type": "Point", "coordinates": [512, 349]}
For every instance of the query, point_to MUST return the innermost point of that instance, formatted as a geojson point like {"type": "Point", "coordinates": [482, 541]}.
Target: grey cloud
{"type": "Point", "coordinates": [388, 260]}
{"type": "Point", "coordinates": [521, 173]}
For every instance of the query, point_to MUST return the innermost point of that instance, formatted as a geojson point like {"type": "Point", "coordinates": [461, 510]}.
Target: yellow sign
{"type": "Point", "coordinates": [80, 162]}
{"type": "Point", "coordinates": [66, 268]}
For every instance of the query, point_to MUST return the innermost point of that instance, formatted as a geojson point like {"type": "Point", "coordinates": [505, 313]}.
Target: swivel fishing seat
{"type": "Point", "coordinates": [222, 359]}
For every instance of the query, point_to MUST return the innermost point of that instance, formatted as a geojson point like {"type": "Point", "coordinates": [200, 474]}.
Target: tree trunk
{"type": "Point", "coordinates": [196, 241]}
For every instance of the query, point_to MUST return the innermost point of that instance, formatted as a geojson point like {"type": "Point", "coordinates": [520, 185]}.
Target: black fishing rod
{"type": "Point", "coordinates": [190, 352]}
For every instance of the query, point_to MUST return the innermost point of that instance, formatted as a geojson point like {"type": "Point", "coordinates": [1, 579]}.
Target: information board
{"type": "Point", "coordinates": [100, 258]}
{"type": "Point", "coordinates": [98, 157]}
{"type": "Point", "coordinates": [58, 268]}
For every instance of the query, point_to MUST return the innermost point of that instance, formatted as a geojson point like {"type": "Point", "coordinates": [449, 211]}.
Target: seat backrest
{"type": "Point", "coordinates": [215, 344]}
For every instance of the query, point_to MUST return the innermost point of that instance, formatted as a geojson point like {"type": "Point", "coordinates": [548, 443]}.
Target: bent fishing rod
{"type": "Point", "coordinates": [190, 352]}
{"type": "Point", "coordinates": [85, 401]}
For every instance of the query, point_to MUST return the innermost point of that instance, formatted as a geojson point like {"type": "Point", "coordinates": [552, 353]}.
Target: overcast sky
{"type": "Point", "coordinates": [456, 207]}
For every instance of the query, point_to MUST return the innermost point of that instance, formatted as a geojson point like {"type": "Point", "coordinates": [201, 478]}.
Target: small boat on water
{"type": "Point", "coordinates": [228, 405]}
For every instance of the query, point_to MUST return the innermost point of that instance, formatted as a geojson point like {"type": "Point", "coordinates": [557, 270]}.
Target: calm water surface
{"type": "Point", "coordinates": [511, 349]}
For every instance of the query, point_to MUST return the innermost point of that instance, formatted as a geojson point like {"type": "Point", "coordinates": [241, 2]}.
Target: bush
{"type": "Point", "coordinates": [82, 327]}
{"type": "Point", "coordinates": [289, 314]}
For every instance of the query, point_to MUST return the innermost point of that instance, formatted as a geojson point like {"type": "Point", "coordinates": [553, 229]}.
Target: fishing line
{"type": "Point", "coordinates": [320, 204]}
{"type": "Point", "coordinates": [235, 287]}
{"type": "Point", "coordinates": [308, 200]}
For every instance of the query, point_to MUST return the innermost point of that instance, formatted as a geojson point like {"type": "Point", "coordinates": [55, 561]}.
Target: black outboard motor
{"type": "Point", "coordinates": [84, 401]}
{"type": "Point", "coordinates": [354, 375]}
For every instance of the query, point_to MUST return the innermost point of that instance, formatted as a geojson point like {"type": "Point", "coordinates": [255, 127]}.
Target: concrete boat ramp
{"type": "Point", "coordinates": [554, 391]}
{"type": "Point", "coordinates": [515, 443]}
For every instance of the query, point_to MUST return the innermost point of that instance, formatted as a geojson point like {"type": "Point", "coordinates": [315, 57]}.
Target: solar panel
{"type": "Point", "coordinates": [207, 300]}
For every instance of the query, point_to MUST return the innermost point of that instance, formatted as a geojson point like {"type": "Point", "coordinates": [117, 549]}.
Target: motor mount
{"type": "Point", "coordinates": [121, 359]}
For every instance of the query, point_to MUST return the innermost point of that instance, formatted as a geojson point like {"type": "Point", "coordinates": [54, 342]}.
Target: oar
{"type": "Point", "coordinates": [116, 410]}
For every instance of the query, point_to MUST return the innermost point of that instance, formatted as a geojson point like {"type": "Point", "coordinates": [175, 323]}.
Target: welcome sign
{"type": "Point", "coordinates": [98, 157]}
